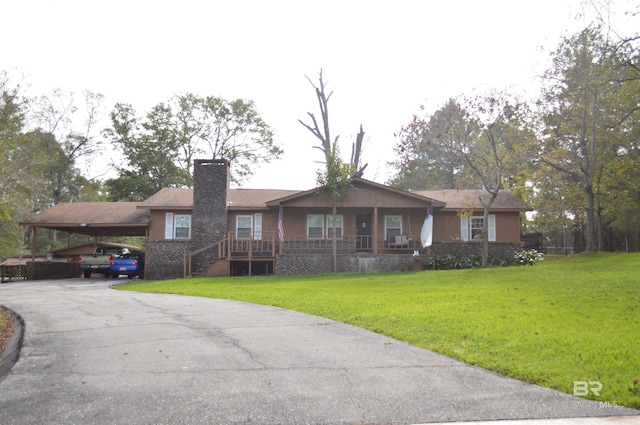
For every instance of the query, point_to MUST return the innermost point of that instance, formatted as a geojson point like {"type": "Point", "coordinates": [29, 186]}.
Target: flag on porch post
{"type": "Point", "coordinates": [280, 225]}
{"type": "Point", "coordinates": [426, 234]}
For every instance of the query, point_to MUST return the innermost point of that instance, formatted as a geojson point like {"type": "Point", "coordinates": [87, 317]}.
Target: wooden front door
{"type": "Point", "coordinates": [363, 232]}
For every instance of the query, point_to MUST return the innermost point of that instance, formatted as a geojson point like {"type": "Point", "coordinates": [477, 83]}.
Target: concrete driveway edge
{"type": "Point", "coordinates": [11, 353]}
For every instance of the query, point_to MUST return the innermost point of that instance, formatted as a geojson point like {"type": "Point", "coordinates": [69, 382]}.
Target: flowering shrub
{"type": "Point", "coordinates": [528, 258]}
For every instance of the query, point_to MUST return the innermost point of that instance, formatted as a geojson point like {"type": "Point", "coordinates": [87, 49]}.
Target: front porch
{"type": "Point", "coordinates": [265, 248]}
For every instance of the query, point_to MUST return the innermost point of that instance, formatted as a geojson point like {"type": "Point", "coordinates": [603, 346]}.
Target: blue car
{"type": "Point", "coordinates": [129, 264]}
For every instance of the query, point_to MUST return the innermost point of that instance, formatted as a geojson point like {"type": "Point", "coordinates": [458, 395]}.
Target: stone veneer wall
{"type": "Point", "coordinates": [292, 264]}
{"type": "Point", "coordinates": [504, 251]}
{"type": "Point", "coordinates": [165, 259]}
{"type": "Point", "coordinates": [357, 263]}
{"type": "Point", "coordinates": [209, 219]}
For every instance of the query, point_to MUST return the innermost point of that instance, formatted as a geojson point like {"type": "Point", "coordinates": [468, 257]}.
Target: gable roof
{"type": "Point", "coordinates": [94, 218]}
{"type": "Point", "coordinates": [360, 183]}
{"type": "Point", "coordinates": [472, 199]}
{"type": "Point", "coordinates": [132, 218]}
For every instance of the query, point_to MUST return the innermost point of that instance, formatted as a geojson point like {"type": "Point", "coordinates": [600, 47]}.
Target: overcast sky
{"type": "Point", "coordinates": [382, 60]}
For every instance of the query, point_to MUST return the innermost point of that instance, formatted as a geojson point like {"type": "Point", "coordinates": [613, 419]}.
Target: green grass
{"type": "Point", "coordinates": [567, 319]}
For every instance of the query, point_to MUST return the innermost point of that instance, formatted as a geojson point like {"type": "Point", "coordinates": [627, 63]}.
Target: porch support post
{"type": "Point", "coordinates": [33, 243]}
{"type": "Point", "coordinates": [375, 230]}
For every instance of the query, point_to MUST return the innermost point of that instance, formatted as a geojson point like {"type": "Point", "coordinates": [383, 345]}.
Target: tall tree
{"type": "Point", "coordinates": [420, 162]}
{"type": "Point", "coordinates": [235, 130]}
{"type": "Point", "coordinates": [11, 124]}
{"type": "Point", "coordinates": [587, 101]}
{"type": "Point", "coordinates": [483, 142]}
{"type": "Point", "coordinates": [150, 151]}
{"type": "Point", "coordinates": [188, 126]}
{"type": "Point", "coordinates": [323, 133]}
{"type": "Point", "coordinates": [335, 180]}
{"type": "Point", "coordinates": [494, 144]}
{"type": "Point", "coordinates": [71, 128]}
{"type": "Point", "coordinates": [335, 183]}
{"type": "Point", "coordinates": [24, 184]}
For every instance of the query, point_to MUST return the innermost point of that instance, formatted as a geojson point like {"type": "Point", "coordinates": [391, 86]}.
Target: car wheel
{"type": "Point", "coordinates": [114, 276]}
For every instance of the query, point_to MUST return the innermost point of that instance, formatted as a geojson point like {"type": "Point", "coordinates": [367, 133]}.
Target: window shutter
{"type": "Point", "coordinates": [257, 226]}
{"type": "Point", "coordinates": [492, 228]}
{"type": "Point", "coordinates": [464, 228]}
{"type": "Point", "coordinates": [168, 226]}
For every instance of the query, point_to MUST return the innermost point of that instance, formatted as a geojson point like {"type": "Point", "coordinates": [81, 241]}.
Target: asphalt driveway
{"type": "Point", "coordinates": [92, 355]}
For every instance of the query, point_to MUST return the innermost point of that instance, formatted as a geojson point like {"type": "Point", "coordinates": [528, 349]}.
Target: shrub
{"type": "Point", "coordinates": [452, 262]}
{"type": "Point", "coordinates": [528, 258]}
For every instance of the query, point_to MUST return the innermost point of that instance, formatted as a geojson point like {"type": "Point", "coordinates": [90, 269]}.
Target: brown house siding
{"type": "Point", "coordinates": [269, 219]}
{"type": "Point", "coordinates": [508, 229]}
{"type": "Point", "coordinates": [156, 228]}
{"type": "Point", "coordinates": [357, 198]}
{"type": "Point", "coordinates": [446, 226]}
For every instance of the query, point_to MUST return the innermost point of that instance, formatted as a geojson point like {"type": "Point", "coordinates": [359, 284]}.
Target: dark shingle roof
{"type": "Point", "coordinates": [178, 198]}
{"type": "Point", "coordinates": [471, 199]}
{"type": "Point", "coordinates": [115, 218]}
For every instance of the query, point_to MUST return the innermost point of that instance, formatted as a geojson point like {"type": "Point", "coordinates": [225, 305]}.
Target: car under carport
{"type": "Point", "coordinates": [96, 219]}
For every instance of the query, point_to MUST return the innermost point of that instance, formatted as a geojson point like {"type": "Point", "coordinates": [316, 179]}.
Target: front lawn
{"type": "Point", "coordinates": [563, 320]}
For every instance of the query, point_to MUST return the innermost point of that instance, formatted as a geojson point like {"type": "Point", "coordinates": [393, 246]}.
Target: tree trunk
{"type": "Point", "coordinates": [333, 239]}
{"type": "Point", "coordinates": [485, 228]}
{"type": "Point", "coordinates": [590, 233]}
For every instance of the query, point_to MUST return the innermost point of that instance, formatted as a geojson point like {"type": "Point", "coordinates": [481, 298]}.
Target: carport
{"type": "Point", "coordinates": [97, 219]}
{"type": "Point", "coordinates": [94, 219]}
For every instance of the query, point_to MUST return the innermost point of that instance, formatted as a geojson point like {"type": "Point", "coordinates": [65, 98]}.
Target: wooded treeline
{"type": "Point", "coordinates": [47, 158]}
{"type": "Point", "coordinates": [572, 153]}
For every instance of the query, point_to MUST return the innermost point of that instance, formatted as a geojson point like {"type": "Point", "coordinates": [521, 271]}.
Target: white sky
{"type": "Point", "coordinates": [381, 59]}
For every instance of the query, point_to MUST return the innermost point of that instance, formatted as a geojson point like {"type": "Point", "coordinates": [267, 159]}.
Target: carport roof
{"type": "Point", "coordinates": [94, 218]}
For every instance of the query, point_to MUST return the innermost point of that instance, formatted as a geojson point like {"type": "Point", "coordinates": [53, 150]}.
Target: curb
{"type": "Point", "coordinates": [11, 353]}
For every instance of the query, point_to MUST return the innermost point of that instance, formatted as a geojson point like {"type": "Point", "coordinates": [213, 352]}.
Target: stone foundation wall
{"type": "Point", "coordinates": [504, 251]}
{"type": "Point", "coordinates": [165, 259]}
{"type": "Point", "coordinates": [358, 263]}
{"type": "Point", "coordinates": [292, 264]}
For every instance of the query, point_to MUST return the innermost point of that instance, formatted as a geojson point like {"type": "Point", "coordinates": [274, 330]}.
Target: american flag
{"type": "Point", "coordinates": [280, 226]}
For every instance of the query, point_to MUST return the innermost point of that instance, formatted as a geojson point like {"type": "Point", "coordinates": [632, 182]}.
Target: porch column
{"type": "Point", "coordinates": [33, 244]}
{"type": "Point", "coordinates": [375, 230]}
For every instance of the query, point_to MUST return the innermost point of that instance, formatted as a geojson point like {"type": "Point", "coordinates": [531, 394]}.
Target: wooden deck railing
{"type": "Point", "coordinates": [266, 245]}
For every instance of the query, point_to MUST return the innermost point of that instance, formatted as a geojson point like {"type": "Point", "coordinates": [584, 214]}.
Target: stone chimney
{"type": "Point", "coordinates": [209, 221]}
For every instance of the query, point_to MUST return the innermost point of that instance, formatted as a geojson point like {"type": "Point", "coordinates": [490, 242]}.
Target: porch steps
{"type": "Point", "coordinates": [216, 268]}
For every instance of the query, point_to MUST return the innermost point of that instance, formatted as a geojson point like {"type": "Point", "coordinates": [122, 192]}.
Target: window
{"type": "Point", "coordinates": [257, 226]}
{"type": "Point", "coordinates": [249, 226]}
{"type": "Point", "coordinates": [177, 226]}
{"type": "Point", "coordinates": [315, 226]}
{"type": "Point", "coordinates": [244, 226]}
{"type": "Point", "coordinates": [471, 228]}
{"type": "Point", "coordinates": [392, 225]}
{"type": "Point", "coordinates": [476, 227]}
{"type": "Point", "coordinates": [330, 226]}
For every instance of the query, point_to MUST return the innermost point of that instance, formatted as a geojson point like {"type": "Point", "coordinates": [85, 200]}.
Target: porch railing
{"type": "Point", "coordinates": [267, 244]}
{"type": "Point", "coordinates": [264, 245]}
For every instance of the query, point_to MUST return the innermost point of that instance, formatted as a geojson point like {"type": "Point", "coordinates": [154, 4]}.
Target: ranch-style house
{"type": "Point", "coordinates": [213, 230]}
